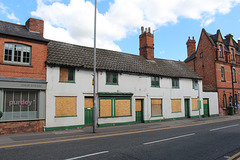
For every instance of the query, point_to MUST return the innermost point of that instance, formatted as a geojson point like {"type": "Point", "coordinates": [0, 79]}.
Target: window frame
{"type": "Point", "coordinates": [25, 49]}
{"type": "Point", "coordinates": [154, 82]}
{"type": "Point", "coordinates": [222, 74]}
{"type": "Point", "coordinates": [161, 107]}
{"type": "Point", "coordinates": [221, 51]}
{"type": "Point", "coordinates": [194, 81]}
{"type": "Point", "coordinates": [232, 55]}
{"type": "Point", "coordinates": [224, 101]}
{"type": "Point", "coordinates": [111, 78]}
{"type": "Point", "coordinates": [69, 69]}
{"type": "Point", "coordinates": [234, 75]}
{"type": "Point", "coordinates": [175, 83]}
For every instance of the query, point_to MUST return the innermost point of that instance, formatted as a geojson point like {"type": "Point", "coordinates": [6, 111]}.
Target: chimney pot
{"type": "Point", "coordinates": [142, 30]}
{"type": "Point", "coordinates": [149, 30]}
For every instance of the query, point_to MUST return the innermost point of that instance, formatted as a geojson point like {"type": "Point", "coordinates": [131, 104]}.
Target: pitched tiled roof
{"type": "Point", "coordinates": [21, 31]}
{"type": "Point", "coordinates": [64, 54]}
{"type": "Point", "coordinates": [191, 57]}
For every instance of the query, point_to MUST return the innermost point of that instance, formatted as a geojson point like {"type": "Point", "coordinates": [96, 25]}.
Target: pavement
{"type": "Point", "coordinates": [31, 138]}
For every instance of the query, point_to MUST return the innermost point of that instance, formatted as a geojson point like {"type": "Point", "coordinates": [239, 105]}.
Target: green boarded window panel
{"type": "Point", "coordinates": [67, 75]}
{"type": "Point", "coordinates": [106, 108]}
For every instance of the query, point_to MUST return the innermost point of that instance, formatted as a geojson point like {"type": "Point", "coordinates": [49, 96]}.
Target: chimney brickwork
{"type": "Point", "coordinates": [35, 25]}
{"type": "Point", "coordinates": [146, 44]}
{"type": "Point", "coordinates": [191, 46]}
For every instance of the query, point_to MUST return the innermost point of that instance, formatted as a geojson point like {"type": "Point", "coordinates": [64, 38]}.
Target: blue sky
{"type": "Point", "coordinates": [119, 21]}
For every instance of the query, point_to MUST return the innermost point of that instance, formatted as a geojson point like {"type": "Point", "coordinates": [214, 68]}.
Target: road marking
{"type": "Point", "coordinates": [224, 127]}
{"type": "Point", "coordinates": [234, 156]}
{"type": "Point", "coordinates": [88, 155]}
{"type": "Point", "coordinates": [186, 135]}
{"type": "Point", "coordinates": [112, 134]}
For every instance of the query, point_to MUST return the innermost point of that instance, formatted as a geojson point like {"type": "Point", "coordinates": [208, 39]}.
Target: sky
{"type": "Point", "coordinates": [119, 21]}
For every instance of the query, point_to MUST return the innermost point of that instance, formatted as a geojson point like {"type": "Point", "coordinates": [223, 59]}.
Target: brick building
{"type": "Point", "coordinates": [23, 52]}
{"type": "Point", "coordinates": [217, 60]}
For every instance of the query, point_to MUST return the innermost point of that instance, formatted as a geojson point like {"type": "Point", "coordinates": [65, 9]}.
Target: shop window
{"type": "Point", "coordinates": [175, 83]}
{"type": "Point", "coordinates": [106, 108]}
{"type": "Point", "coordinates": [222, 73]}
{"type": "Point", "coordinates": [155, 82]}
{"type": "Point", "coordinates": [111, 78]}
{"type": "Point", "coordinates": [67, 75]}
{"type": "Point", "coordinates": [195, 104]}
{"type": "Point", "coordinates": [17, 53]}
{"type": "Point", "coordinates": [20, 105]}
{"type": "Point", "coordinates": [156, 107]}
{"type": "Point", "coordinates": [224, 101]}
{"type": "Point", "coordinates": [115, 107]}
{"type": "Point", "coordinates": [65, 106]}
{"type": "Point", "coordinates": [176, 105]}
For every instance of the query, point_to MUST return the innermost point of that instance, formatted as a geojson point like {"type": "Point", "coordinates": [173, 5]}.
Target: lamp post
{"type": "Point", "coordinates": [94, 71]}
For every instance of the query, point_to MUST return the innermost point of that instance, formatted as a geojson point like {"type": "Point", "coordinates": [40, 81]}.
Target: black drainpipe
{"type": "Point", "coordinates": [232, 88]}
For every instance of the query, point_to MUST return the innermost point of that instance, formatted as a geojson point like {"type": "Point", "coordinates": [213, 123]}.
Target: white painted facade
{"type": "Point", "coordinates": [213, 102]}
{"type": "Point", "coordinates": [138, 85]}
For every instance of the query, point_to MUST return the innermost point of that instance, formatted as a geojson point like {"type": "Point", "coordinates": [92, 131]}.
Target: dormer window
{"type": "Point", "coordinates": [220, 51]}
{"type": "Point", "coordinates": [232, 54]}
{"type": "Point", "coordinates": [17, 53]}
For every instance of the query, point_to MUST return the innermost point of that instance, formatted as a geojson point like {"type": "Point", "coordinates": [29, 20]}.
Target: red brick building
{"type": "Point", "coordinates": [23, 52]}
{"type": "Point", "coordinates": [217, 60]}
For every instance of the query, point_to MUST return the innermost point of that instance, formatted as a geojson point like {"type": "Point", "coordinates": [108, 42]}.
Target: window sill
{"type": "Point", "coordinates": [116, 116]}
{"type": "Point", "coordinates": [67, 82]}
{"type": "Point", "coordinates": [157, 116]}
{"type": "Point", "coordinates": [111, 84]}
{"type": "Point", "coordinates": [64, 116]}
{"type": "Point", "coordinates": [176, 112]}
{"type": "Point", "coordinates": [175, 87]}
{"type": "Point", "coordinates": [16, 64]}
{"type": "Point", "coordinates": [155, 86]}
{"type": "Point", "coordinates": [223, 81]}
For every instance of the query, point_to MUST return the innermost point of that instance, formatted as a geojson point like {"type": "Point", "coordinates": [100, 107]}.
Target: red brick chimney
{"type": "Point", "coordinates": [146, 44]}
{"type": "Point", "coordinates": [191, 46]}
{"type": "Point", "coordinates": [239, 44]}
{"type": "Point", "coordinates": [35, 25]}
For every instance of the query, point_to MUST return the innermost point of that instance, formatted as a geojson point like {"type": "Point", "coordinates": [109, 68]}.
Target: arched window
{"type": "Point", "coordinates": [224, 101]}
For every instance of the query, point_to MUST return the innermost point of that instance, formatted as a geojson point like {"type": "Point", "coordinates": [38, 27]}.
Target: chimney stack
{"type": "Point", "coordinates": [239, 44]}
{"type": "Point", "coordinates": [191, 46]}
{"type": "Point", "coordinates": [146, 44]}
{"type": "Point", "coordinates": [35, 25]}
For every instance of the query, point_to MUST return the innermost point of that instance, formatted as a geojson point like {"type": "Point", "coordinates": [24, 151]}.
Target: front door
{"type": "Point", "coordinates": [88, 111]}
{"type": "Point", "coordinates": [206, 107]}
{"type": "Point", "coordinates": [139, 110]}
{"type": "Point", "coordinates": [187, 108]}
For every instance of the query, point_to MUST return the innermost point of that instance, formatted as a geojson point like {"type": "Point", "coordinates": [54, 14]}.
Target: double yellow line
{"type": "Point", "coordinates": [234, 156]}
{"type": "Point", "coordinates": [109, 135]}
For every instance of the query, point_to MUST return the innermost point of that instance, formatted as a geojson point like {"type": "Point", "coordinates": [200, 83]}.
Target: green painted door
{"type": "Point", "coordinates": [139, 111]}
{"type": "Point", "coordinates": [187, 108]}
{"type": "Point", "coordinates": [88, 116]}
{"type": "Point", "coordinates": [88, 111]}
{"type": "Point", "coordinates": [206, 107]}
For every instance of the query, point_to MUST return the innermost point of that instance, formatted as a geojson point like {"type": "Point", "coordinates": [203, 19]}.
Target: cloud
{"type": "Point", "coordinates": [161, 52]}
{"type": "Point", "coordinates": [75, 19]}
{"type": "Point", "coordinates": [5, 11]}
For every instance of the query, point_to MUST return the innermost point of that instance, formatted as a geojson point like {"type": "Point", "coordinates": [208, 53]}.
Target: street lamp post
{"type": "Point", "coordinates": [94, 71]}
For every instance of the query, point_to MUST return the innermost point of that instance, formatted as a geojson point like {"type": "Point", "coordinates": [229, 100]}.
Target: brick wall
{"type": "Point", "coordinates": [22, 127]}
{"type": "Point", "coordinates": [37, 69]}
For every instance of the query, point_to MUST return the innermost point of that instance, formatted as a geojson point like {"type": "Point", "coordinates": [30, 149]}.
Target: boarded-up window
{"type": "Point", "coordinates": [67, 74]}
{"type": "Point", "coordinates": [156, 107]}
{"type": "Point", "coordinates": [138, 105]}
{"type": "Point", "coordinates": [66, 106]}
{"type": "Point", "coordinates": [105, 107]}
{"type": "Point", "coordinates": [195, 104]}
{"type": "Point", "coordinates": [122, 107]}
{"type": "Point", "coordinates": [176, 105]}
{"type": "Point", "coordinates": [88, 103]}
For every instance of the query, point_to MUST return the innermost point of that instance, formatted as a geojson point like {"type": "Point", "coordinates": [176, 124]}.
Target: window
{"type": "Point", "coordinates": [222, 73]}
{"type": "Point", "coordinates": [194, 104]}
{"type": "Point", "coordinates": [65, 106]}
{"type": "Point", "coordinates": [20, 105]}
{"type": "Point", "coordinates": [175, 82]}
{"type": "Point", "coordinates": [156, 107]}
{"type": "Point", "coordinates": [230, 101]}
{"type": "Point", "coordinates": [176, 105]}
{"type": "Point", "coordinates": [17, 53]}
{"type": "Point", "coordinates": [195, 84]}
{"type": "Point", "coordinates": [233, 75]}
{"type": "Point", "coordinates": [112, 78]}
{"type": "Point", "coordinates": [155, 82]}
{"type": "Point", "coordinates": [232, 54]}
{"type": "Point", "coordinates": [115, 107]}
{"type": "Point", "coordinates": [224, 101]}
{"type": "Point", "coordinates": [221, 51]}
{"type": "Point", "coordinates": [67, 75]}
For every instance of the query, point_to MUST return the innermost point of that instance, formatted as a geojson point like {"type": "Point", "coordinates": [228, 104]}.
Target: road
{"type": "Point", "coordinates": [219, 140]}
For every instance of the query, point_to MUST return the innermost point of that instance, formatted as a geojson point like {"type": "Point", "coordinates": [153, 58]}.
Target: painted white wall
{"type": "Point", "coordinates": [139, 85]}
{"type": "Point", "coordinates": [213, 102]}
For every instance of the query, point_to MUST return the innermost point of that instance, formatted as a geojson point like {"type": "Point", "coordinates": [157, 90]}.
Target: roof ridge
{"type": "Point", "coordinates": [12, 23]}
